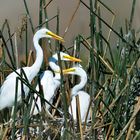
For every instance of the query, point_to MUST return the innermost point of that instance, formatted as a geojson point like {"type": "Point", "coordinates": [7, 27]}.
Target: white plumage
{"type": "Point", "coordinates": [84, 98]}
{"type": "Point", "coordinates": [7, 91]}
{"type": "Point", "coordinates": [49, 82]}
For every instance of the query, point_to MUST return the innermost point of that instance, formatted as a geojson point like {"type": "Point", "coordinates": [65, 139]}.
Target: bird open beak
{"type": "Point", "coordinates": [53, 35]}
{"type": "Point", "coordinates": [66, 71]}
{"type": "Point", "coordinates": [70, 58]}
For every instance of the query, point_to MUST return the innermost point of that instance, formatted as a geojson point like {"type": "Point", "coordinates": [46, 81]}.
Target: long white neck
{"type": "Point", "coordinates": [55, 67]}
{"type": "Point", "coordinates": [78, 87]}
{"type": "Point", "coordinates": [39, 57]}
{"type": "Point", "coordinates": [57, 76]}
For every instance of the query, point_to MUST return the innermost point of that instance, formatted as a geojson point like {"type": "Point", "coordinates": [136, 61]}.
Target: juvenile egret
{"type": "Point", "coordinates": [7, 91]}
{"type": "Point", "coordinates": [49, 82]}
{"type": "Point", "coordinates": [84, 98]}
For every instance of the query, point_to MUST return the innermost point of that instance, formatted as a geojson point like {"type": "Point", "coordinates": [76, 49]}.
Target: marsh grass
{"type": "Point", "coordinates": [113, 81]}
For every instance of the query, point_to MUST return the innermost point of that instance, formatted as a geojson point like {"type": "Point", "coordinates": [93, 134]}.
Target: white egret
{"type": "Point", "coordinates": [84, 98]}
{"type": "Point", "coordinates": [49, 82]}
{"type": "Point", "coordinates": [7, 91]}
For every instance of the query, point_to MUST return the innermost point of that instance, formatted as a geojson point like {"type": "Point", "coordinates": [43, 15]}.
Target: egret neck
{"type": "Point", "coordinates": [83, 81]}
{"type": "Point", "coordinates": [39, 57]}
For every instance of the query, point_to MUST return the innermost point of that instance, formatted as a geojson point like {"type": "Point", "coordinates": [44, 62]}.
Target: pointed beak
{"type": "Point", "coordinates": [70, 58]}
{"type": "Point", "coordinates": [53, 35]}
{"type": "Point", "coordinates": [66, 71]}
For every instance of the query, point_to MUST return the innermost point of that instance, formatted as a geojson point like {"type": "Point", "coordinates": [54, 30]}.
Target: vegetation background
{"type": "Point", "coordinates": [108, 31]}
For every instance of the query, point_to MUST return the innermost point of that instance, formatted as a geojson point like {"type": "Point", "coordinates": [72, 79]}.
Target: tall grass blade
{"type": "Point", "coordinates": [15, 110]}
{"type": "Point", "coordinates": [132, 13]}
{"type": "Point", "coordinates": [28, 15]}
{"type": "Point", "coordinates": [7, 50]}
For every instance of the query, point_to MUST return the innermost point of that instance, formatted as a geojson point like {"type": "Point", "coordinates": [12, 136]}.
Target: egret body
{"type": "Point", "coordinates": [84, 98]}
{"type": "Point", "coordinates": [7, 91]}
{"type": "Point", "coordinates": [49, 82]}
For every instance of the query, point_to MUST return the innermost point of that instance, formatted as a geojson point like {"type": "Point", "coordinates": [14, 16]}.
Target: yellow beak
{"type": "Point", "coordinates": [70, 58]}
{"type": "Point", "coordinates": [53, 35]}
{"type": "Point", "coordinates": [66, 71]}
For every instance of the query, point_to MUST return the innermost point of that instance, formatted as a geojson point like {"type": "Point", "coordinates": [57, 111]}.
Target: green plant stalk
{"type": "Point", "coordinates": [137, 136]}
{"type": "Point", "coordinates": [23, 75]}
{"type": "Point", "coordinates": [3, 26]}
{"type": "Point", "coordinates": [92, 63]}
{"type": "Point", "coordinates": [40, 12]}
{"type": "Point", "coordinates": [28, 15]}
{"type": "Point", "coordinates": [100, 31]}
{"type": "Point", "coordinates": [26, 43]}
{"type": "Point", "coordinates": [45, 6]}
{"type": "Point", "coordinates": [3, 57]}
{"type": "Point", "coordinates": [15, 111]}
{"type": "Point", "coordinates": [110, 51]}
{"type": "Point", "coordinates": [92, 60]}
{"type": "Point", "coordinates": [127, 104]}
{"type": "Point", "coordinates": [126, 26]}
{"type": "Point", "coordinates": [132, 13]}
{"type": "Point", "coordinates": [26, 116]}
{"type": "Point", "coordinates": [123, 74]}
{"type": "Point", "coordinates": [7, 50]}
{"type": "Point", "coordinates": [16, 50]}
{"type": "Point", "coordinates": [117, 58]}
{"type": "Point", "coordinates": [76, 53]}
{"type": "Point", "coordinates": [106, 7]}
{"type": "Point", "coordinates": [113, 30]}
{"type": "Point", "coordinates": [62, 87]}
{"type": "Point", "coordinates": [78, 43]}
{"type": "Point", "coordinates": [129, 122]}
{"type": "Point", "coordinates": [97, 64]}
{"type": "Point", "coordinates": [40, 19]}
{"type": "Point", "coordinates": [41, 120]}
{"type": "Point", "coordinates": [47, 23]}
{"type": "Point", "coordinates": [45, 15]}
{"type": "Point", "coordinates": [115, 119]}
{"type": "Point", "coordinates": [35, 99]}
{"type": "Point", "coordinates": [26, 111]}
{"type": "Point", "coordinates": [11, 42]}
{"type": "Point", "coordinates": [71, 19]}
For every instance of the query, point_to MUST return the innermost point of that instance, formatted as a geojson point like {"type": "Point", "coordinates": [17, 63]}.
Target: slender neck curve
{"type": "Point", "coordinates": [39, 57]}
{"type": "Point", "coordinates": [78, 87]}
{"type": "Point", "coordinates": [55, 67]}
{"type": "Point", "coordinates": [57, 76]}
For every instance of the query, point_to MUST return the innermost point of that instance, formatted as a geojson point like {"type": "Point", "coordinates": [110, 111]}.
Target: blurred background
{"type": "Point", "coordinates": [14, 10]}
{"type": "Point", "coordinates": [110, 59]}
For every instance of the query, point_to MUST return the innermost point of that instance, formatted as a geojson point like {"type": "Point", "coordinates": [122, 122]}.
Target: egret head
{"type": "Point", "coordinates": [76, 70]}
{"type": "Point", "coordinates": [79, 71]}
{"type": "Point", "coordinates": [66, 57]}
{"type": "Point", "coordinates": [45, 33]}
